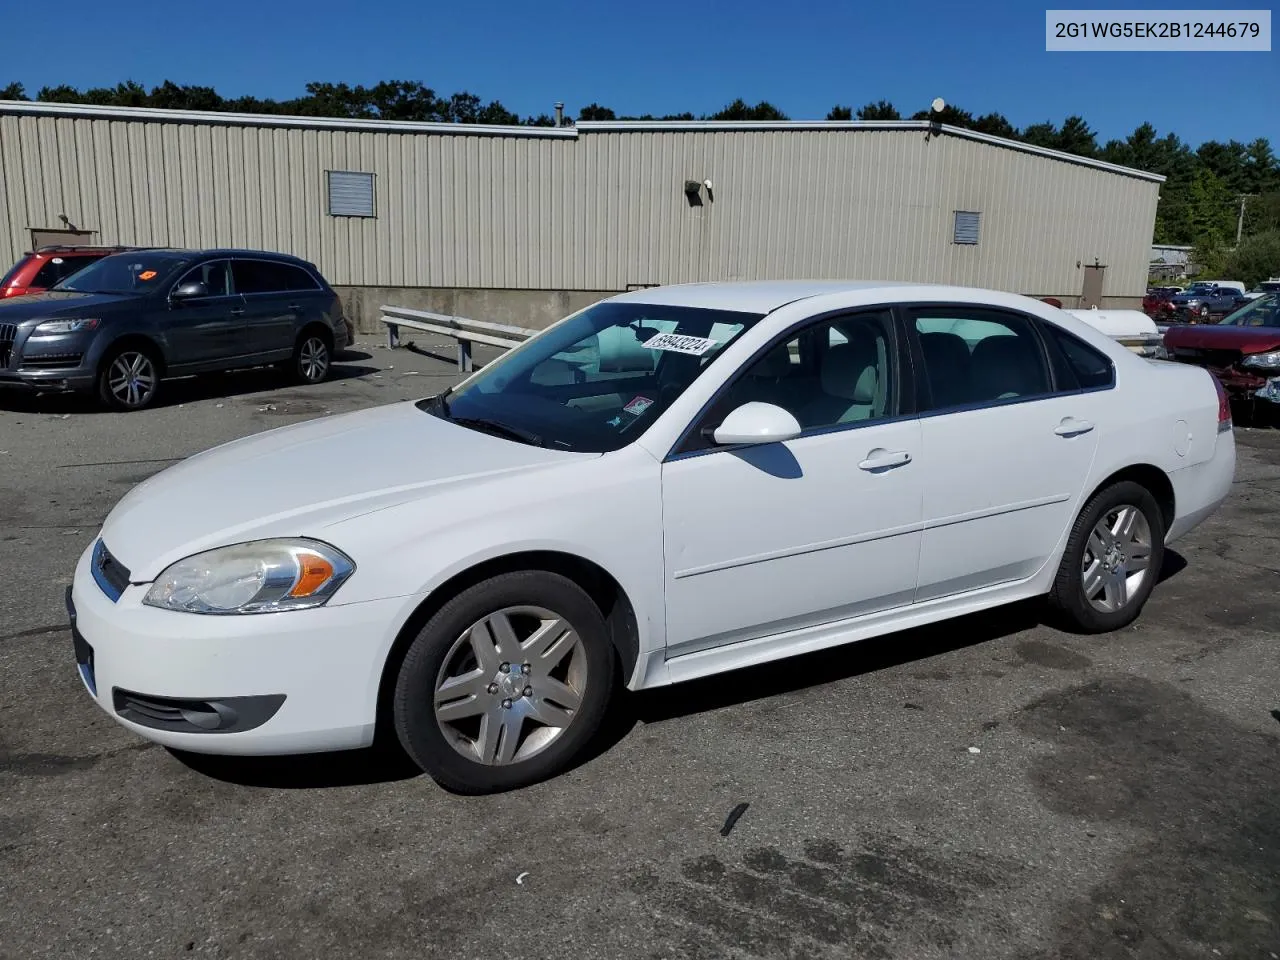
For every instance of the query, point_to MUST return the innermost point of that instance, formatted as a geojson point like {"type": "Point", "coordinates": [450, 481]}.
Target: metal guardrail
{"type": "Point", "coordinates": [462, 329]}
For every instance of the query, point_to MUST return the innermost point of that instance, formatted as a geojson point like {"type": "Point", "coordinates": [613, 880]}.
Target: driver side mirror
{"type": "Point", "coordinates": [189, 291]}
{"type": "Point", "coordinates": [756, 423]}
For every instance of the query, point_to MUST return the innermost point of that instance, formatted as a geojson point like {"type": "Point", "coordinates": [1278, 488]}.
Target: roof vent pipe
{"type": "Point", "coordinates": [559, 114]}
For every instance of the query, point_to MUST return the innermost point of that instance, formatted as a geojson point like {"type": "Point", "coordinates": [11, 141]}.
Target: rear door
{"type": "Point", "coordinates": [278, 297]}
{"type": "Point", "coordinates": [1008, 439]}
{"type": "Point", "coordinates": [206, 330]}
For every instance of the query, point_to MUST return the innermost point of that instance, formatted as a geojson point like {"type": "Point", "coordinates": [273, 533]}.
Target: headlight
{"type": "Point", "coordinates": [1271, 359]}
{"type": "Point", "coordinates": [68, 326]}
{"type": "Point", "coordinates": [264, 576]}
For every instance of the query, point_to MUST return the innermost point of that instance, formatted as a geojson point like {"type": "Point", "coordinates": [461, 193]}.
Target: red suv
{"type": "Point", "coordinates": [37, 271]}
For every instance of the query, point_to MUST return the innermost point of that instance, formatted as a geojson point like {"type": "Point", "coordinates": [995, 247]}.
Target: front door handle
{"type": "Point", "coordinates": [237, 311]}
{"type": "Point", "coordinates": [881, 459]}
{"type": "Point", "coordinates": [1071, 427]}
{"type": "Point", "coordinates": [296, 308]}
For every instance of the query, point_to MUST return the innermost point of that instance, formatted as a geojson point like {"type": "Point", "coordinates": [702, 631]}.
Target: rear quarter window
{"type": "Point", "coordinates": [1090, 369]}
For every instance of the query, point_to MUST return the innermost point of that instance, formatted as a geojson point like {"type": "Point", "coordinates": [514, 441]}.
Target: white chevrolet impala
{"type": "Point", "coordinates": [671, 483]}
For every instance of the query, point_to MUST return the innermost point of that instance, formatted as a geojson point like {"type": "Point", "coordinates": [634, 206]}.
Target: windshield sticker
{"type": "Point", "coordinates": [56, 260]}
{"type": "Point", "coordinates": [616, 421]}
{"type": "Point", "coordinates": [638, 406]}
{"type": "Point", "coordinates": [675, 343]}
{"type": "Point", "coordinates": [147, 275]}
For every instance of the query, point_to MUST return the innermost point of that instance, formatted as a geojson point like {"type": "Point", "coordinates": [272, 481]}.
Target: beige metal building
{"type": "Point", "coordinates": [522, 224]}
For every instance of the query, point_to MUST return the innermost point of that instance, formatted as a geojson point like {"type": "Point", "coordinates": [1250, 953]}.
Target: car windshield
{"type": "Point", "coordinates": [1200, 288]}
{"type": "Point", "coordinates": [594, 382]}
{"type": "Point", "coordinates": [124, 273]}
{"type": "Point", "coordinates": [1262, 312]}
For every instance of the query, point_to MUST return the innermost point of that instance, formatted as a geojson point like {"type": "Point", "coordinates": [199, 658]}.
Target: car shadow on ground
{"type": "Point", "coordinates": [385, 762]}
{"type": "Point", "coordinates": [212, 386]}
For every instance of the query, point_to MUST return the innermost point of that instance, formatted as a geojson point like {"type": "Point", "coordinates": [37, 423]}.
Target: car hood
{"type": "Point", "coordinates": [60, 303]}
{"type": "Point", "coordinates": [1213, 336]}
{"type": "Point", "coordinates": [296, 480]}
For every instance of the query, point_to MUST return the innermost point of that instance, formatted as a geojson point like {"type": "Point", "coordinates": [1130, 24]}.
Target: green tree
{"type": "Point", "coordinates": [1041, 135]}
{"type": "Point", "coordinates": [840, 113]}
{"type": "Point", "coordinates": [741, 110]}
{"type": "Point", "coordinates": [1075, 137]}
{"type": "Point", "coordinates": [593, 111]}
{"type": "Point", "coordinates": [1256, 258]}
{"type": "Point", "coordinates": [995, 124]}
{"type": "Point", "coordinates": [14, 91]}
{"type": "Point", "coordinates": [880, 110]}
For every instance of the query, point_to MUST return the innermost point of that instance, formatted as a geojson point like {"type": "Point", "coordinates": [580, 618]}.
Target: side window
{"type": "Point", "coordinates": [213, 275]}
{"type": "Point", "coordinates": [295, 278]}
{"type": "Point", "coordinates": [1090, 369]}
{"type": "Point", "coordinates": [263, 276]}
{"type": "Point", "coordinates": [839, 371]}
{"type": "Point", "coordinates": [976, 356]}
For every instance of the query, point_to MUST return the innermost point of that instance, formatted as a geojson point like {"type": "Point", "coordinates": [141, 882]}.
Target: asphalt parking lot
{"type": "Point", "coordinates": [989, 788]}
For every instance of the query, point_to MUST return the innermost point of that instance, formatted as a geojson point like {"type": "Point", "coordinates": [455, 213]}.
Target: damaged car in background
{"type": "Point", "coordinates": [1242, 350]}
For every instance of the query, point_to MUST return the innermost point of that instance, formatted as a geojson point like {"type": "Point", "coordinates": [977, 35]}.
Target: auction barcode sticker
{"type": "Point", "coordinates": [1204, 31]}
{"type": "Point", "coordinates": [695, 346]}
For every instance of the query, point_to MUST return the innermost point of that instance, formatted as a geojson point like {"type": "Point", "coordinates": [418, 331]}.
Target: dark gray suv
{"type": "Point", "coordinates": [122, 325]}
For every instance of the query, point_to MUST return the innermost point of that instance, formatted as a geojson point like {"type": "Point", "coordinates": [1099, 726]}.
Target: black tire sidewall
{"type": "Point", "coordinates": [1068, 593]}
{"type": "Point", "coordinates": [413, 702]}
{"type": "Point", "coordinates": [108, 398]}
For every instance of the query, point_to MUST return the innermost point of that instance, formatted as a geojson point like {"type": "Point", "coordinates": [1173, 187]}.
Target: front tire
{"type": "Point", "coordinates": [506, 684]}
{"type": "Point", "coordinates": [128, 379]}
{"type": "Point", "coordinates": [1112, 560]}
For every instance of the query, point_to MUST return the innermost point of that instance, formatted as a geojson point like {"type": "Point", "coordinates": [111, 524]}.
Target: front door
{"type": "Point", "coordinates": [1092, 293]}
{"type": "Point", "coordinates": [761, 540]}
{"type": "Point", "coordinates": [206, 330]}
{"type": "Point", "coordinates": [1006, 449]}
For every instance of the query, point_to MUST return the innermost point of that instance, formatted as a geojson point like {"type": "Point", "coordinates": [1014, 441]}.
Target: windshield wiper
{"type": "Point", "coordinates": [498, 429]}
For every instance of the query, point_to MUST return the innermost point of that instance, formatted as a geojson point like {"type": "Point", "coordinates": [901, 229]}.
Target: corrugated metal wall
{"type": "Point", "coordinates": [598, 211]}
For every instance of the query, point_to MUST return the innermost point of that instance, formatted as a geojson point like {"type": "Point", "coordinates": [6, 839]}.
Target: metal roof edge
{"type": "Point", "coordinates": [156, 115]}
{"type": "Point", "coordinates": [690, 126]}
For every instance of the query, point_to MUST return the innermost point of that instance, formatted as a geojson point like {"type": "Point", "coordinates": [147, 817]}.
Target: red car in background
{"type": "Point", "coordinates": [1158, 303]}
{"type": "Point", "coordinates": [1242, 350]}
{"type": "Point", "coordinates": [38, 270]}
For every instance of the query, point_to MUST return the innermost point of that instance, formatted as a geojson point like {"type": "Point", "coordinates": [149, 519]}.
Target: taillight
{"type": "Point", "coordinates": [1224, 405]}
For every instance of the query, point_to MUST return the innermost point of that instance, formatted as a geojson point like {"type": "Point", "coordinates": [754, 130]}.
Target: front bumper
{"type": "Point", "coordinates": [295, 682]}
{"type": "Point", "coordinates": [54, 362]}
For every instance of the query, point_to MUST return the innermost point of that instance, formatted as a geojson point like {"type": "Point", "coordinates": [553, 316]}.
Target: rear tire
{"type": "Point", "coordinates": [1112, 560]}
{"type": "Point", "coordinates": [128, 378]}
{"type": "Point", "coordinates": [506, 684]}
{"type": "Point", "coordinates": [312, 358]}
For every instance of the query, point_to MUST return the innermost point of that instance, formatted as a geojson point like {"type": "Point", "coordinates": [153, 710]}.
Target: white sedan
{"type": "Point", "coordinates": [672, 483]}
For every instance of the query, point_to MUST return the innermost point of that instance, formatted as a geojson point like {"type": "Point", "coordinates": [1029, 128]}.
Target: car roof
{"type": "Point", "coordinates": [753, 296]}
{"type": "Point", "coordinates": [215, 252]}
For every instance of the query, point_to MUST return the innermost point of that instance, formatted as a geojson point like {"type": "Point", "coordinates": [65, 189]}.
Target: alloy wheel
{"type": "Point", "coordinates": [511, 685]}
{"type": "Point", "coordinates": [313, 360]}
{"type": "Point", "coordinates": [1117, 558]}
{"type": "Point", "coordinates": [132, 378]}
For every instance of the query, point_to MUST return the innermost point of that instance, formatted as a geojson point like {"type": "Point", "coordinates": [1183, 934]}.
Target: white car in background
{"type": "Point", "coordinates": [673, 483]}
{"type": "Point", "coordinates": [1130, 328]}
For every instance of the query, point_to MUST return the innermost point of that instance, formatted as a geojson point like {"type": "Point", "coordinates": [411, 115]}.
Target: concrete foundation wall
{"type": "Point", "coordinates": [523, 308]}
{"type": "Point", "coordinates": [529, 308]}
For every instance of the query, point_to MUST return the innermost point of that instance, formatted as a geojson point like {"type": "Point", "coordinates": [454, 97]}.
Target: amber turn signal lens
{"type": "Point", "coordinates": [316, 572]}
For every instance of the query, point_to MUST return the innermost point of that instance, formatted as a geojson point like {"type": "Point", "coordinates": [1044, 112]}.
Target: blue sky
{"type": "Point", "coordinates": [662, 56]}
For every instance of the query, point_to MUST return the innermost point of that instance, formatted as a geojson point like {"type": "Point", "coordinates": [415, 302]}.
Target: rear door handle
{"type": "Point", "coordinates": [881, 459]}
{"type": "Point", "coordinates": [1071, 427]}
{"type": "Point", "coordinates": [296, 308]}
{"type": "Point", "coordinates": [237, 311]}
